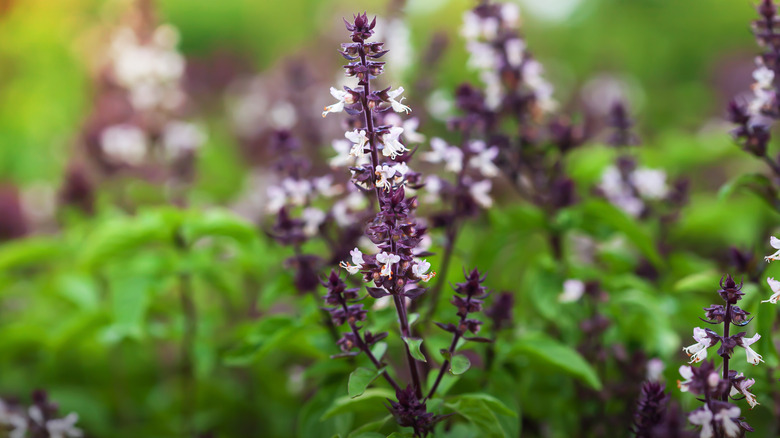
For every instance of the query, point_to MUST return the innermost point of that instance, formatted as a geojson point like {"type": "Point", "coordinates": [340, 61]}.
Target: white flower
{"type": "Point", "coordinates": [698, 351]}
{"type": "Point", "coordinates": [181, 137]}
{"type": "Point", "coordinates": [493, 88]}
{"type": "Point", "coordinates": [515, 48]}
{"type": "Point", "coordinates": [396, 104]}
{"type": "Point", "coordinates": [393, 147]}
{"type": "Point", "coordinates": [752, 357]}
{"type": "Point", "coordinates": [742, 386]}
{"type": "Point", "coordinates": [572, 291]}
{"type": "Point", "coordinates": [64, 427]}
{"type": "Point", "coordinates": [655, 368]}
{"type": "Point", "coordinates": [277, 198]}
{"type": "Point", "coordinates": [15, 422]}
{"type": "Point", "coordinates": [775, 243]}
{"type": "Point", "coordinates": [475, 27]}
{"type": "Point", "coordinates": [343, 157]}
{"type": "Point", "coordinates": [532, 75]}
{"type": "Point", "coordinates": [482, 56]}
{"type": "Point", "coordinates": [124, 144]}
{"type": "Point", "coordinates": [410, 126]}
{"type": "Point", "coordinates": [357, 259]}
{"type": "Point", "coordinates": [297, 190]}
{"type": "Point", "coordinates": [483, 160]}
{"type": "Point", "coordinates": [387, 259]}
{"type": "Point", "coordinates": [452, 156]}
{"type": "Point", "coordinates": [359, 140]}
{"type": "Point", "coordinates": [702, 417]}
{"type": "Point", "coordinates": [385, 175]}
{"type": "Point", "coordinates": [480, 192]}
{"type": "Point", "coordinates": [764, 77]}
{"type": "Point", "coordinates": [324, 186]}
{"type": "Point", "coordinates": [775, 286]}
{"type": "Point", "coordinates": [726, 418]}
{"type": "Point", "coordinates": [312, 219]}
{"type": "Point", "coordinates": [650, 183]}
{"type": "Point", "coordinates": [420, 268]}
{"type": "Point", "coordinates": [343, 97]}
{"type": "Point", "coordinates": [510, 14]}
{"type": "Point", "coordinates": [433, 186]}
{"type": "Point", "coordinates": [687, 374]}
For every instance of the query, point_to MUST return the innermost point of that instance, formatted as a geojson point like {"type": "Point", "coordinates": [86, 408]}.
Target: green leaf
{"type": "Point", "coordinates": [360, 379]}
{"type": "Point", "coordinates": [602, 212]}
{"type": "Point", "coordinates": [549, 352]}
{"type": "Point", "coordinates": [120, 236]}
{"type": "Point", "coordinates": [459, 364]}
{"type": "Point", "coordinates": [478, 413]}
{"type": "Point", "coordinates": [129, 300]}
{"type": "Point", "coordinates": [371, 427]}
{"type": "Point", "coordinates": [378, 350]}
{"type": "Point", "coordinates": [414, 348]}
{"type": "Point", "coordinates": [759, 184]}
{"type": "Point", "coordinates": [493, 403]}
{"type": "Point", "coordinates": [400, 435]}
{"type": "Point", "coordinates": [218, 223]}
{"type": "Point", "coordinates": [372, 399]}
{"type": "Point", "coordinates": [697, 282]}
{"type": "Point", "coordinates": [28, 252]}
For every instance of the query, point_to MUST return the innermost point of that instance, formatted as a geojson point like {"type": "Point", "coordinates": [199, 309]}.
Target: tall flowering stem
{"type": "Point", "coordinates": [718, 416]}
{"type": "Point", "coordinates": [394, 270]}
{"type": "Point", "coordinates": [468, 299]}
{"type": "Point", "coordinates": [753, 119]}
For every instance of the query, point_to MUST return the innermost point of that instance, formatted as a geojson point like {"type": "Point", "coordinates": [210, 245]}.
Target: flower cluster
{"type": "Point", "coordinates": [510, 74]}
{"type": "Point", "coordinates": [139, 120]}
{"type": "Point", "coordinates": [651, 409]}
{"type": "Point", "coordinates": [40, 420]}
{"type": "Point", "coordinates": [718, 417]}
{"type": "Point", "coordinates": [631, 187]}
{"type": "Point", "coordinates": [754, 118]}
{"type": "Point", "coordinates": [413, 413]}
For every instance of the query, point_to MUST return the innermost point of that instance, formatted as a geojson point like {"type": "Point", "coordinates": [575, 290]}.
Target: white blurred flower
{"type": "Point", "coordinates": [410, 126]}
{"type": "Point", "coordinates": [687, 374]}
{"type": "Point", "coordinates": [650, 183]}
{"type": "Point", "coordinates": [312, 219]}
{"type": "Point", "coordinates": [480, 192]}
{"type": "Point", "coordinates": [655, 369]}
{"type": "Point", "coordinates": [483, 158]}
{"type": "Point", "coordinates": [297, 190]}
{"type": "Point", "coordinates": [343, 157]}
{"type": "Point", "coordinates": [572, 291]}
{"type": "Point", "coordinates": [179, 138]}
{"type": "Point", "coordinates": [726, 417]}
{"type": "Point", "coordinates": [515, 49]}
{"type": "Point", "coordinates": [433, 186]}
{"type": "Point", "coordinates": [283, 115]}
{"type": "Point", "coordinates": [452, 156]}
{"type": "Point", "coordinates": [702, 417]}
{"type": "Point", "coordinates": [124, 144]}
{"type": "Point", "coordinates": [325, 187]}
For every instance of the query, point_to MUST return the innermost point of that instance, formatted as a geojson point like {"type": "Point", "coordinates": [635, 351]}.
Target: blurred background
{"type": "Point", "coordinates": [248, 67]}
